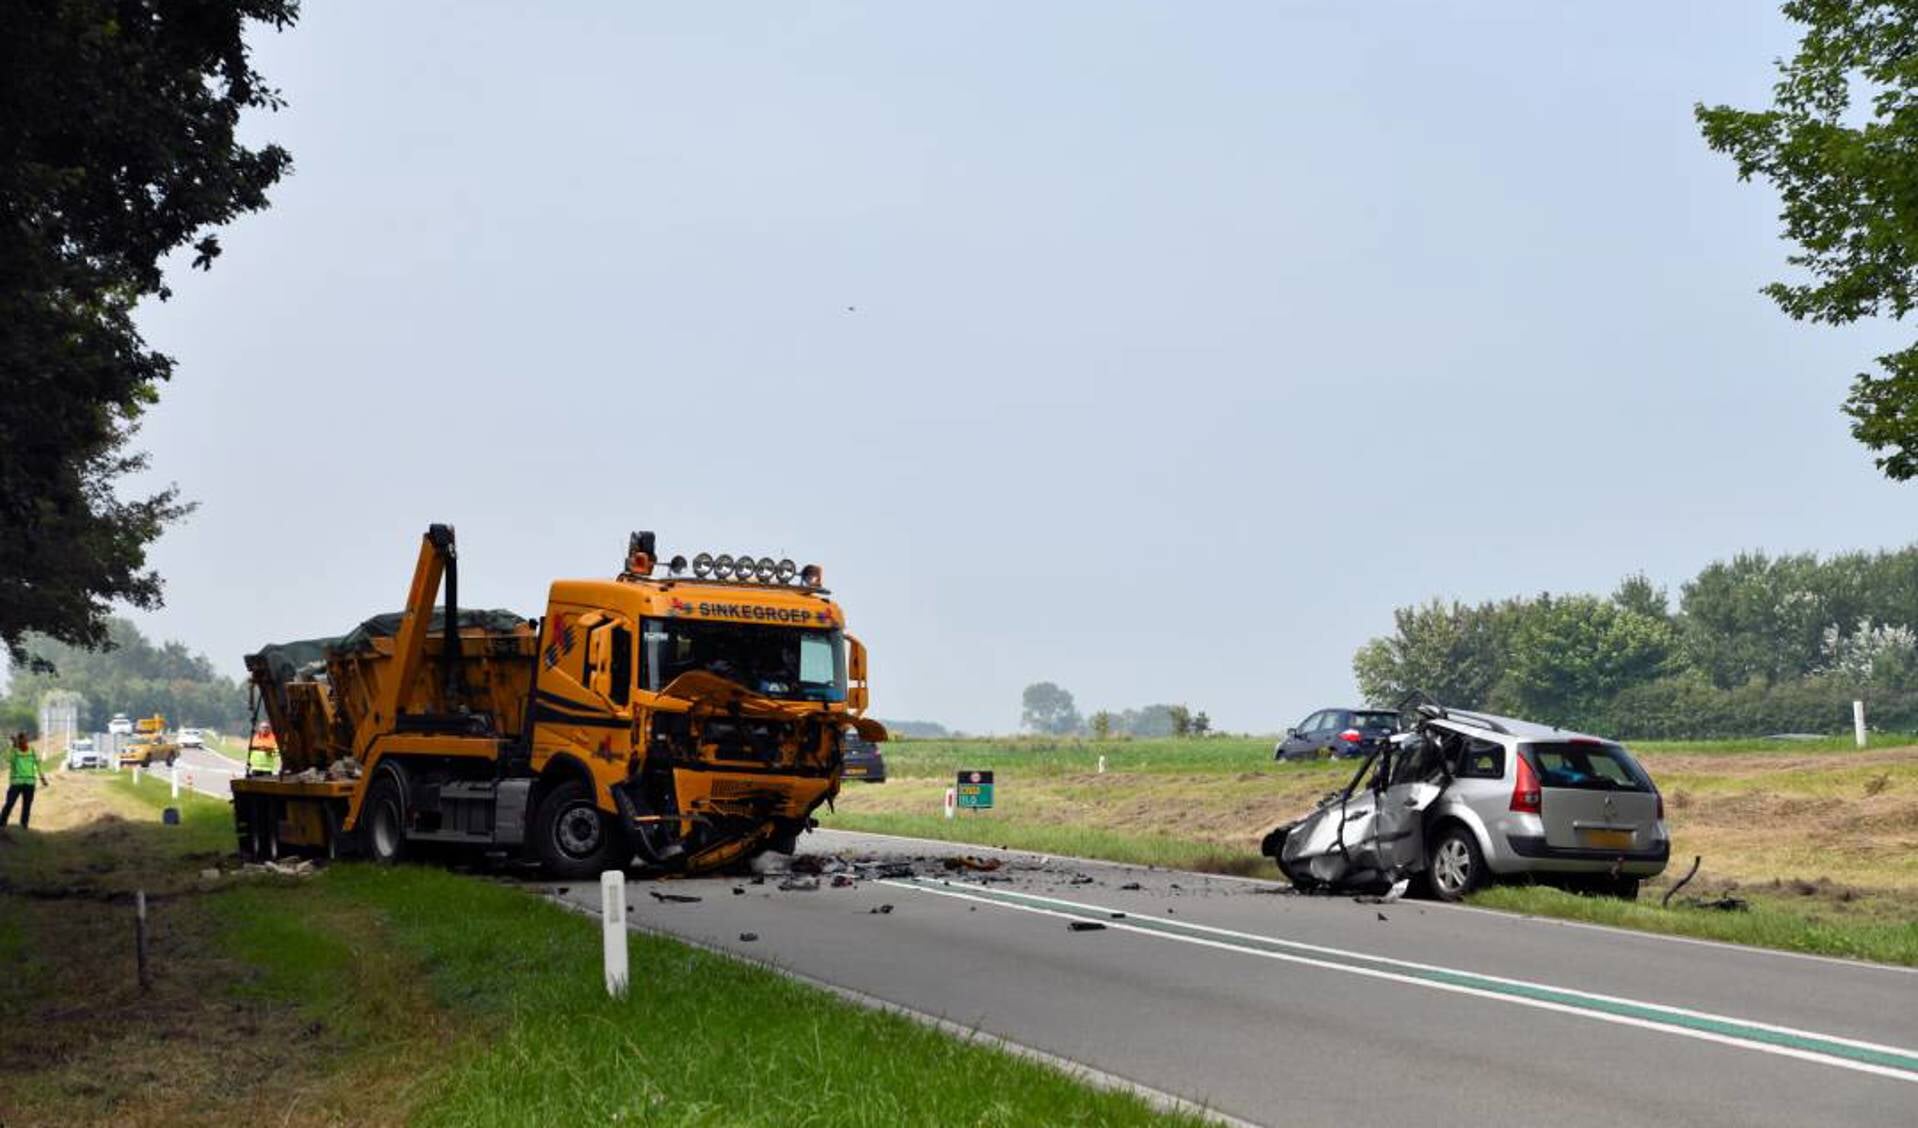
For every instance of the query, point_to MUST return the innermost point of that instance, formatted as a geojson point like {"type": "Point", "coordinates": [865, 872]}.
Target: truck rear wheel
{"type": "Point", "coordinates": [573, 837]}
{"type": "Point", "coordinates": [383, 820]}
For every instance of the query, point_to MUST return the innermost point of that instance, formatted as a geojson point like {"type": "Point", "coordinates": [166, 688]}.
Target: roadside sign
{"type": "Point", "coordinates": [975, 790]}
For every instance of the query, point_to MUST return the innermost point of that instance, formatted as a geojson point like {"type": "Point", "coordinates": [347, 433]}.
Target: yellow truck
{"type": "Point", "coordinates": [684, 715]}
{"type": "Point", "coordinates": [148, 743]}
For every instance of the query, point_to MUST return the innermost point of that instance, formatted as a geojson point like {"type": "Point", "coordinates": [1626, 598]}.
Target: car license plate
{"type": "Point", "coordinates": [855, 772]}
{"type": "Point", "coordinates": [1607, 839]}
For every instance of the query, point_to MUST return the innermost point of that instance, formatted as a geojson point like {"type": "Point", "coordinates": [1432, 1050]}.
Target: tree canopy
{"type": "Point", "coordinates": [1840, 144]}
{"type": "Point", "coordinates": [1757, 644]}
{"type": "Point", "coordinates": [1048, 709]}
{"type": "Point", "coordinates": [132, 676]}
{"type": "Point", "coordinates": [117, 147]}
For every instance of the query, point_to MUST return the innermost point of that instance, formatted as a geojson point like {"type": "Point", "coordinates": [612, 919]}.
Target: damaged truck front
{"type": "Point", "coordinates": [690, 720]}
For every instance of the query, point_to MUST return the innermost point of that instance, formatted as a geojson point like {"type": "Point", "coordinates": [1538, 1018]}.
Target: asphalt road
{"type": "Point", "coordinates": [207, 771]}
{"type": "Point", "coordinates": [1280, 1009]}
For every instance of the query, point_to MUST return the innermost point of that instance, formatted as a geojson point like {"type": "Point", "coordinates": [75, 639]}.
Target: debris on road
{"type": "Point", "coordinates": [749, 937]}
{"type": "Point", "coordinates": [738, 892]}
{"type": "Point", "coordinates": [675, 898]}
{"type": "Point", "coordinates": [973, 863]}
{"type": "Point", "coordinates": [799, 884]}
{"type": "Point", "coordinates": [841, 881]}
{"type": "Point", "coordinates": [1130, 885]}
{"type": "Point", "coordinates": [879, 910]}
{"type": "Point", "coordinates": [1084, 926]}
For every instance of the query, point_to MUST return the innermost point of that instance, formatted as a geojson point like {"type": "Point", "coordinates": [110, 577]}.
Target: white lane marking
{"type": "Point", "coordinates": [1104, 916]}
{"type": "Point", "coordinates": [1727, 945]}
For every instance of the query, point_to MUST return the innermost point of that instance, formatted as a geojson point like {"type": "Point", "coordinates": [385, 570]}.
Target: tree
{"type": "Point", "coordinates": [1181, 720]}
{"type": "Point", "coordinates": [1849, 183]}
{"type": "Point", "coordinates": [133, 676]}
{"type": "Point", "coordinates": [117, 147]}
{"type": "Point", "coordinates": [1201, 724]}
{"type": "Point", "coordinates": [1101, 724]}
{"type": "Point", "coordinates": [1451, 651]}
{"type": "Point", "coordinates": [1049, 709]}
{"type": "Point", "coordinates": [1571, 655]}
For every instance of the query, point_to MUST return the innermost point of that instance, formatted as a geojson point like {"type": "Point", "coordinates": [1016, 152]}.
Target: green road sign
{"type": "Point", "coordinates": [975, 790]}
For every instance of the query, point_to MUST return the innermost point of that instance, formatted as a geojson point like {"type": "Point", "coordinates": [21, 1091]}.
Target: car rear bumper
{"type": "Point", "coordinates": [1532, 853]}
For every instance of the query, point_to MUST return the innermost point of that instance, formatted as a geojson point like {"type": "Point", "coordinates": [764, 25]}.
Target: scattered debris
{"type": "Point", "coordinates": [676, 898]}
{"type": "Point", "coordinates": [806, 863]}
{"type": "Point", "coordinates": [1130, 885]}
{"type": "Point", "coordinates": [1666, 901]}
{"type": "Point", "coordinates": [872, 871]}
{"type": "Point", "coordinates": [1084, 926]}
{"type": "Point", "coordinates": [1080, 879]}
{"type": "Point", "coordinates": [1118, 916]}
{"type": "Point", "coordinates": [1382, 916]}
{"type": "Point", "coordinates": [799, 884]}
{"type": "Point", "coordinates": [749, 937]}
{"type": "Point", "coordinates": [210, 874]}
{"type": "Point", "coordinates": [970, 862]}
{"type": "Point", "coordinates": [879, 910]}
{"type": "Point", "coordinates": [1725, 903]}
{"type": "Point", "coordinates": [841, 881]}
{"type": "Point", "coordinates": [563, 890]}
{"type": "Point", "coordinates": [738, 892]}
{"type": "Point", "coordinates": [346, 767]}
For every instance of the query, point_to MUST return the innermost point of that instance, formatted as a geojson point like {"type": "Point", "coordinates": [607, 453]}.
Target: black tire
{"type": "Point", "coordinates": [1625, 888]}
{"type": "Point", "coordinates": [573, 837]}
{"type": "Point", "coordinates": [383, 821]}
{"type": "Point", "coordinates": [1454, 866]}
{"type": "Point", "coordinates": [269, 834]}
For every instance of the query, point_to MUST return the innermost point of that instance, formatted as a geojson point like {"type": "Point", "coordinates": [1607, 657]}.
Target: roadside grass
{"type": "Point", "coordinates": [1064, 840]}
{"type": "Point", "coordinates": [369, 995]}
{"type": "Point", "coordinates": [1771, 922]}
{"type": "Point", "coordinates": [700, 1039]}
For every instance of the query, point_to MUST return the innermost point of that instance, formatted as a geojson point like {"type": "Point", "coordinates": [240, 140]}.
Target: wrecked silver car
{"type": "Point", "coordinates": [1462, 799]}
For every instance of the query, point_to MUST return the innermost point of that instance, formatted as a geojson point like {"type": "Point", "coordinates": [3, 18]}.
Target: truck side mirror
{"type": "Point", "coordinates": [856, 690]}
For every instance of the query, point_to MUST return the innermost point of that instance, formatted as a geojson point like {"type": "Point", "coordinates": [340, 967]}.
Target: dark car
{"type": "Point", "coordinates": [863, 760]}
{"type": "Point", "coordinates": [1343, 733]}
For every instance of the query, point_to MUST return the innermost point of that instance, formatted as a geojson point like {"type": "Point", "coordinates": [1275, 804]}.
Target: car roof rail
{"type": "Point", "coordinates": [1477, 720]}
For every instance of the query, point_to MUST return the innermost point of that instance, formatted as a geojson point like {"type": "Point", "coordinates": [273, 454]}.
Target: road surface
{"type": "Point", "coordinates": [1280, 1009]}
{"type": "Point", "coordinates": [207, 771]}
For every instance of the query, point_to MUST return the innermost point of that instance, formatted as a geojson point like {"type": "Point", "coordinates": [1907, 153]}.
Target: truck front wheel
{"type": "Point", "coordinates": [383, 820]}
{"type": "Point", "coordinates": [573, 837]}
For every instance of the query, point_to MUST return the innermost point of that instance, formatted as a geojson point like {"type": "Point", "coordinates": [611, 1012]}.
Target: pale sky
{"type": "Point", "coordinates": [1159, 350]}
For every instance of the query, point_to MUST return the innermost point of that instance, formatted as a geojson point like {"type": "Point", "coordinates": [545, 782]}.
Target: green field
{"type": "Point", "coordinates": [1819, 836]}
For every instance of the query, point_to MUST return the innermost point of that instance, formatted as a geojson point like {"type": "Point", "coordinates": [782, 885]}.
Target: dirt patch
{"type": "Point", "coordinates": [86, 1045]}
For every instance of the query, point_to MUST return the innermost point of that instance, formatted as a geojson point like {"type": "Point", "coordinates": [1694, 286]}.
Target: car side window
{"type": "Point", "coordinates": [1337, 720]}
{"type": "Point", "coordinates": [1482, 759]}
{"type": "Point", "coordinates": [1311, 723]}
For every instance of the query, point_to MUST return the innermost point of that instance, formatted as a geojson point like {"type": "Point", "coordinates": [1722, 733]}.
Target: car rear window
{"type": "Point", "coordinates": [1375, 720]}
{"type": "Point", "coordinates": [1587, 767]}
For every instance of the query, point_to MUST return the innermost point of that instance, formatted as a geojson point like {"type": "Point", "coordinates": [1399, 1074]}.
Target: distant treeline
{"type": "Point", "coordinates": [1757, 645]}
{"type": "Point", "coordinates": [135, 677]}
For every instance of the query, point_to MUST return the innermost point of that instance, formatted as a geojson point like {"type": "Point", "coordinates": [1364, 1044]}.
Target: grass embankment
{"type": "Point", "coordinates": [1820, 837]}
{"type": "Point", "coordinates": [364, 995]}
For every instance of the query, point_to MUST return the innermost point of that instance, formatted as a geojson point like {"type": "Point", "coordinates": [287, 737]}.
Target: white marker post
{"type": "Point", "coordinates": [173, 779]}
{"type": "Point", "coordinates": [952, 801]}
{"type": "Point", "coordinates": [1858, 721]}
{"type": "Point", "coordinates": [136, 775]}
{"type": "Point", "coordinates": [1102, 764]}
{"type": "Point", "coordinates": [612, 896]}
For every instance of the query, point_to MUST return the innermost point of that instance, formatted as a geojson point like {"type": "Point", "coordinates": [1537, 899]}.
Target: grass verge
{"type": "Point", "coordinates": [1767, 924]}
{"type": "Point", "coordinates": [369, 995]}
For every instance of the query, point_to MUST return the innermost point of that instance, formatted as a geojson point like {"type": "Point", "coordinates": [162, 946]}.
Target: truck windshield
{"type": "Point", "coordinates": [782, 662]}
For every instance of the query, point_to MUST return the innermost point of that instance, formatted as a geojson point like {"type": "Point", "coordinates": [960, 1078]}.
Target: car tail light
{"type": "Point", "coordinates": [1661, 807]}
{"type": "Point", "coordinates": [1525, 794]}
{"type": "Point", "coordinates": [1351, 736]}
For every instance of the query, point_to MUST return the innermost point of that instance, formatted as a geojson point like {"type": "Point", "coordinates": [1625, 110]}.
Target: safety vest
{"type": "Point", "coordinates": [25, 766]}
{"type": "Point", "coordinates": [262, 760]}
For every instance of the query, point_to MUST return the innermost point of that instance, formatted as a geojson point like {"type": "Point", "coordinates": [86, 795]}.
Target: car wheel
{"type": "Point", "coordinates": [384, 820]}
{"type": "Point", "coordinates": [1625, 888]}
{"type": "Point", "coordinates": [1454, 866]}
{"type": "Point", "coordinates": [574, 838]}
